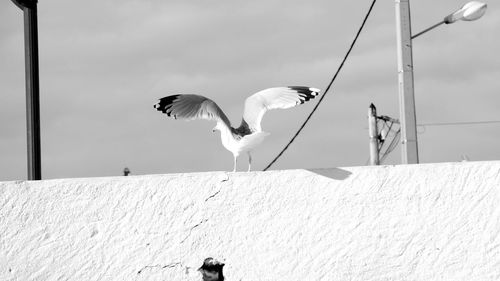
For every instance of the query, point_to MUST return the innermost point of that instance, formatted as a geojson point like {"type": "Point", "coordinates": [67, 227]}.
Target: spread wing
{"type": "Point", "coordinates": [281, 97]}
{"type": "Point", "coordinates": [192, 107]}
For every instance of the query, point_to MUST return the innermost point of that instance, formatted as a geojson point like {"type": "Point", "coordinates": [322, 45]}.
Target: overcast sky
{"type": "Point", "coordinates": [103, 64]}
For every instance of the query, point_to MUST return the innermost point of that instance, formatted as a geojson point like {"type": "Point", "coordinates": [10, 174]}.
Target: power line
{"type": "Point", "coordinates": [396, 137]}
{"type": "Point", "coordinates": [461, 123]}
{"type": "Point", "coordinates": [383, 138]}
{"type": "Point", "coordinates": [327, 88]}
{"type": "Point", "coordinates": [392, 145]}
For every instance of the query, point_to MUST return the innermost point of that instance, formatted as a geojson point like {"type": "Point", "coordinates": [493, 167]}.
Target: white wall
{"type": "Point", "coordinates": [416, 222]}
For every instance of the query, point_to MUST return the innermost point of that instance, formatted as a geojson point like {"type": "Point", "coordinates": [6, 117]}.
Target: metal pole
{"type": "Point", "coordinates": [373, 133]}
{"type": "Point", "coordinates": [32, 87]}
{"type": "Point", "coordinates": [409, 144]}
{"type": "Point", "coordinates": [427, 29]}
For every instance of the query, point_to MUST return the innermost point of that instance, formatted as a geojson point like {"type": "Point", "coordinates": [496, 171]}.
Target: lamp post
{"type": "Point", "coordinates": [29, 8]}
{"type": "Point", "coordinates": [469, 12]}
{"type": "Point", "coordinates": [409, 144]}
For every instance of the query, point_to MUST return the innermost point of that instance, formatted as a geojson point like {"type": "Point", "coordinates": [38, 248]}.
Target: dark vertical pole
{"type": "Point", "coordinates": [32, 93]}
{"type": "Point", "coordinates": [32, 87]}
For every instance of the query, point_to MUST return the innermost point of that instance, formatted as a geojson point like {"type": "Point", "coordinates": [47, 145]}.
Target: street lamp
{"type": "Point", "coordinates": [469, 12]}
{"type": "Point", "coordinates": [409, 145]}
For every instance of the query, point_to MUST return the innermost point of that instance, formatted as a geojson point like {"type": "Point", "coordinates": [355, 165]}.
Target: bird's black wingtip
{"type": "Point", "coordinates": [305, 93]}
{"type": "Point", "coordinates": [165, 104]}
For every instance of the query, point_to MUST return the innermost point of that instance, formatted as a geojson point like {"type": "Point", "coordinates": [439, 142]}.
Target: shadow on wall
{"type": "Point", "coordinates": [332, 173]}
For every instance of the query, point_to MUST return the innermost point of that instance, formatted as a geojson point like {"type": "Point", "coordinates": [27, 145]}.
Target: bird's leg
{"type": "Point", "coordinates": [235, 161]}
{"type": "Point", "coordinates": [249, 161]}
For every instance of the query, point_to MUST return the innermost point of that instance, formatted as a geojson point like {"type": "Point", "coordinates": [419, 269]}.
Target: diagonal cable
{"type": "Point", "coordinates": [327, 88]}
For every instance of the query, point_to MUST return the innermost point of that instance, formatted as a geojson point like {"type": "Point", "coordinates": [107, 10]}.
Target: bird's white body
{"type": "Point", "coordinates": [242, 144]}
{"type": "Point", "coordinates": [249, 134]}
{"type": "Point", "coordinates": [239, 145]}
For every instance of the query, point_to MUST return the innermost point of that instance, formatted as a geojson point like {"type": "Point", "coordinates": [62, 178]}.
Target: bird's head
{"type": "Point", "coordinates": [216, 128]}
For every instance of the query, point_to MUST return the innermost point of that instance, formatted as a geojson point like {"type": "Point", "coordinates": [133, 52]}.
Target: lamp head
{"type": "Point", "coordinates": [469, 12]}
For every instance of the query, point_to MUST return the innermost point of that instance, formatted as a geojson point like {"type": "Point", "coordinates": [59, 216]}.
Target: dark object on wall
{"type": "Point", "coordinates": [212, 270]}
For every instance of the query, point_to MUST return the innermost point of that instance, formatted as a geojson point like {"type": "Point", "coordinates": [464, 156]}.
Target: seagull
{"type": "Point", "coordinates": [249, 134]}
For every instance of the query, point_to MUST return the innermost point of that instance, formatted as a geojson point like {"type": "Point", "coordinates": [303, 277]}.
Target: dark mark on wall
{"type": "Point", "coordinates": [159, 266]}
{"type": "Point", "coordinates": [191, 230]}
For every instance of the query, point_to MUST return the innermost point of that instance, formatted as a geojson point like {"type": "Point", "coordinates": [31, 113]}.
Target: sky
{"type": "Point", "coordinates": [103, 64]}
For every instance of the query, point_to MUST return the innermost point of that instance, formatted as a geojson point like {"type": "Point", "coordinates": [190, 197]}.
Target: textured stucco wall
{"type": "Point", "coordinates": [416, 222]}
